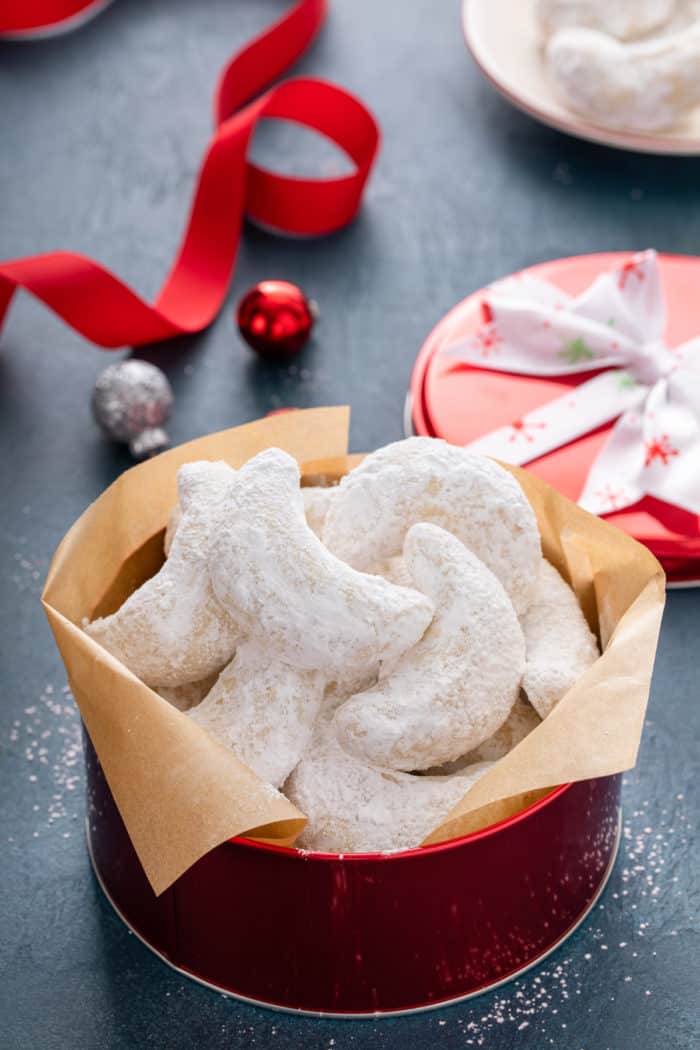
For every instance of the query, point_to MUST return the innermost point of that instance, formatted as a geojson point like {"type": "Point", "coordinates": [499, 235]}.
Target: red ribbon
{"type": "Point", "coordinates": [101, 307]}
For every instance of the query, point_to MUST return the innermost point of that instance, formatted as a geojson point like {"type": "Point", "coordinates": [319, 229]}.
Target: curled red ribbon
{"type": "Point", "coordinates": [101, 307]}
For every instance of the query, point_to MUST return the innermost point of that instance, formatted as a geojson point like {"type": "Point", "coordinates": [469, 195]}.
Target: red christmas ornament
{"type": "Point", "coordinates": [276, 318]}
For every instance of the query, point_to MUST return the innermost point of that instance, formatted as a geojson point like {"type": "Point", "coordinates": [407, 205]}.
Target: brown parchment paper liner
{"type": "Point", "coordinates": [180, 793]}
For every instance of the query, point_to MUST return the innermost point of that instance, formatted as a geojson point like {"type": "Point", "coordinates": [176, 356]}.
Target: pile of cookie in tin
{"type": "Point", "coordinates": [370, 648]}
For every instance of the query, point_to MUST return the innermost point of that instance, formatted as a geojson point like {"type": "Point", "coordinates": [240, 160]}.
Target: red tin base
{"type": "Point", "coordinates": [372, 933]}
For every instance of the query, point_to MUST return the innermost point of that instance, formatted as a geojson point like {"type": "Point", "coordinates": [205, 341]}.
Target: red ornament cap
{"type": "Point", "coordinates": [275, 318]}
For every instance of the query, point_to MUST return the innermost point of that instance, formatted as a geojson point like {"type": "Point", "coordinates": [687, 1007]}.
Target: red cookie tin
{"type": "Point", "coordinates": [461, 403]}
{"type": "Point", "coordinates": [368, 934]}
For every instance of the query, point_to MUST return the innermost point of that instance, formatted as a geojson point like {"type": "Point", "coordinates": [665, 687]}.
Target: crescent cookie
{"type": "Point", "coordinates": [282, 587]}
{"type": "Point", "coordinates": [183, 697]}
{"type": "Point", "coordinates": [623, 19]}
{"type": "Point", "coordinates": [457, 685]}
{"type": "Point", "coordinates": [646, 86]}
{"type": "Point", "coordinates": [264, 710]}
{"type": "Point", "coordinates": [355, 808]}
{"type": "Point", "coordinates": [172, 630]}
{"type": "Point", "coordinates": [317, 500]}
{"type": "Point", "coordinates": [396, 571]}
{"type": "Point", "coordinates": [171, 528]}
{"type": "Point", "coordinates": [519, 723]}
{"type": "Point", "coordinates": [426, 479]}
{"type": "Point", "coordinates": [558, 641]}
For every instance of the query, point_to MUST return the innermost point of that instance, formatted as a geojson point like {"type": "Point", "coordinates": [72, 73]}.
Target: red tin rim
{"type": "Point", "coordinates": [416, 851]}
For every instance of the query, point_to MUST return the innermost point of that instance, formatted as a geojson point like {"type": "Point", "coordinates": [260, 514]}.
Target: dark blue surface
{"type": "Point", "coordinates": [100, 137]}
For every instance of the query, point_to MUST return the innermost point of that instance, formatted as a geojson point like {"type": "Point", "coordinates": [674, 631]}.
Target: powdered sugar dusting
{"type": "Point", "coordinates": [283, 588]}
{"type": "Point", "coordinates": [48, 737]}
{"type": "Point", "coordinates": [605, 966]}
{"type": "Point", "coordinates": [457, 685]}
{"type": "Point", "coordinates": [559, 642]}
{"type": "Point", "coordinates": [262, 709]}
{"type": "Point", "coordinates": [26, 571]}
{"type": "Point", "coordinates": [641, 86]}
{"type": "Point", "coordinates": [171, 630]}
{"type": "Point", "coordinates": [356, 807]}
{"type": "Point", "coordinates": [640, 916]}
{"type": "Point", "coordinates": [427, 480]}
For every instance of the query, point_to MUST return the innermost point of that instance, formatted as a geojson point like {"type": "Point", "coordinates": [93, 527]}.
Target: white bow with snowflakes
{"type": "Point", "coordinates": [652, 390]}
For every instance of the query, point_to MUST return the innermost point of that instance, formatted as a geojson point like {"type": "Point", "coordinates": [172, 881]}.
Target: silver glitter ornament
{"type": "Point", "coordinates": [131, 401]}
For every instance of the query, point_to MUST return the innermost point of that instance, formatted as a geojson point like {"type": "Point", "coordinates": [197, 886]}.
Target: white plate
{"type": "Point", "coordinates": [503, 39]}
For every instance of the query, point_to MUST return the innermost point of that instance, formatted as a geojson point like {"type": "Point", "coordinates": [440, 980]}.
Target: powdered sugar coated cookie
{"type": "Point", "coordinates": [183, 697]}
{"type": "Point", "coordinates": [264, 710]}
{"type": "Point", "coordinates": [426, 479]}
{"type": "Point", "coordinates": [559, 644]}
{"type": "Point", "coordinates": [317, 500]}
{"type": "Point", "coordinates": [396, 571]}
{"type": "Point", "coordinates": [644, 86]}
{"type": "Point", "coordinates": [623, 19]}
{"type": "Point", "coordinates": [519, 723]}
{"type": "Point", "coordinates": [172, 630]}
{"type": "Point", "coordinates": [174, 519]}
{"type": "Point", "coordinates": [355, 808]}
{"type": "Point", "coordinates": [454, 688]}
{"type": "Point", "coordinates": [282, 587]}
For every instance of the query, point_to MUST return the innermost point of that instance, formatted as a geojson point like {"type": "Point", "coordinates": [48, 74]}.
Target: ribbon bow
{"type": "Point", "coordinates": [101, 307]}
{"type": "Point", "coordinates": [617, 324]}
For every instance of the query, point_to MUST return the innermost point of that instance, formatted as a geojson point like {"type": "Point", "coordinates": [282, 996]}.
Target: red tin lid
{"type": "Point", "coordinates": [460, 403]}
